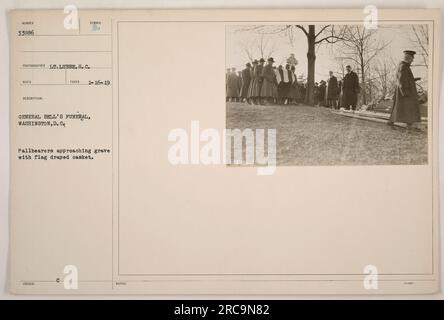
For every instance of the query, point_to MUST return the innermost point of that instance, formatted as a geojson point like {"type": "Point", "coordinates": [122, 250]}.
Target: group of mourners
{"type": "Point", "coordinates": [336, 93]}
{"type": "Point", "coordinates": [261, 83]}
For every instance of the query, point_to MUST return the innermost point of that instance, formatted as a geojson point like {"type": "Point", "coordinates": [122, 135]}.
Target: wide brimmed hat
{"type": "Point", "coordinates": [270, 59]}
{"type": "Point", "coordinates": [261, 60]}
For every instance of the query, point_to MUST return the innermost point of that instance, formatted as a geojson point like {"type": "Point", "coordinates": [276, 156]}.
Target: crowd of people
{"type": "Point", "coordinates": [261, 83]}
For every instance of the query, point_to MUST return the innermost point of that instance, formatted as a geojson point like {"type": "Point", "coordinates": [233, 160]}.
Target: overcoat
{"type": "Point", "coordinates": [350, 89]}
{"type": "Point", "coordinates": [250, 87]}
{"type": "Point", "coordinates": [332, 88]}
{"type": "Point", "coordinates": [294, 87]}
{"type": "Point", "coordinates": [405, 100]}
{"type": "Point", "coordinates": [233, 85]}
{"type": "Point", "coordinates": [256, 83]}
{"type": "Point", "coordinates": [302, 92]}
{"type": "Point", "coordinates": [322, 92]}
{"type": "Point", "coordinates": [269, 87]}
{"type": "Point", "coordinates": [246, 80]}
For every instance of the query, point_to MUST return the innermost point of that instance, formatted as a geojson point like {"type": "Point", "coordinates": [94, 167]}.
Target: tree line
{"type": "Point", "coordinates": [350, 44]}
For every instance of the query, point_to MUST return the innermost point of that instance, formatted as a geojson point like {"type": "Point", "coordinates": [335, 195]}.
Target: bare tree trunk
{"type": "Point", "coordinates": [311, 59]}
{"type": "Point", "coordinates": [312, 41]}
{"type": "Point", "coordinates": [363, 86]}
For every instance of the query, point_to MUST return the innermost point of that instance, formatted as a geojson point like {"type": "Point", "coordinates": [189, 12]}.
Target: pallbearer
{"type": "Point", "coordinates": [233, 86]}
{"type": "Point", "coordinates": [294, 87]}
{"type": "Point", "coordinates": [269, 86]}
{"type": "Point", "coordinates": [405, 100]}
{"type": "Point", "coordinates": [250, 96]}
{"type": "Point", "coordinates": [278, 74]}
{"type": "Point", "coordinates": [240, 81]}
{"type": "Point", "coordinates": [257, 81]}
{"type": "Point", "coordinates": [246, 80]}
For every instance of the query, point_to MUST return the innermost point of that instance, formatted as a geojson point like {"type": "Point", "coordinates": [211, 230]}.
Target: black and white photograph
{"type": "Point", "coordinates": [351, 94]}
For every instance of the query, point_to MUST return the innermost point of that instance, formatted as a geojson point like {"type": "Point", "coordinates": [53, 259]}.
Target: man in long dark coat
{"type": "Point", "coordinates": [316, 94]}
{"type": "Point", "coordinates": [269, 85]}
{"type": "Point", "coordinates": [322, 92]}
{"type": "Point", "coordinates": [332, 91]}
{"type": "Point", "coordinates": [233, 86]}
{"type": "Point", "coordinates": [246, 80]}
{"type": "Point", "coordinates": [240, 80]}
{"type": "Point", "coordinates": [257, 81]}
{"type": "Point", "coordinates": [350, 89]}
{"type": "Point", "coordinates": [303, 92]}
{"type": "Point", "coordinates": [250, 98]}
{"type": "Point", "coordinates": [294, 86]}
{"type": "Point", "coordinates": [405, 101]}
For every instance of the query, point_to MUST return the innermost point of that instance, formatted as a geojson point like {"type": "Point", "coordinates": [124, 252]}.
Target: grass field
{"type": "Point", "coordinates": [314, 136]}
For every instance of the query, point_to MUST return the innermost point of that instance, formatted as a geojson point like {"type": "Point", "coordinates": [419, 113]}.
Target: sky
{"type": "Point", "coordinates": [398, 37]}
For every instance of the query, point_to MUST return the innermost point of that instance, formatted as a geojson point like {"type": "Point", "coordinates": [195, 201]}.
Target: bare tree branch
{"type": "Point", "coordinates": [302, 28]}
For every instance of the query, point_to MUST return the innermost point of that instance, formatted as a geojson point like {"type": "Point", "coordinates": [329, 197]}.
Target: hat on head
{"type": "Point", "coordinates": [348, 66]}
{"type": "Point", "coordinates": [410, 52]}
{"type": "Point", "coordinates": [262, 60]}
{"type": "Point", "coordinates": [248, 64]}
{"type": "Point", "coordinates": [270, 59]}
{"type": "Point", "coordinates": [255, 61]}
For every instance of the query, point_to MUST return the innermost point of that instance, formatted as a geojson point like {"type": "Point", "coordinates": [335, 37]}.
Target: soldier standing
{"type": "Point", "coordinates": [257, 81]}
{"type": "Point", "coordinates": [269, 86]}
{"type": "Point", "coordinates": [405, 100]}
{"type": "Point", "coordinates": [246, 79]}
{"type": "Point", "coordinates": [233, 86]}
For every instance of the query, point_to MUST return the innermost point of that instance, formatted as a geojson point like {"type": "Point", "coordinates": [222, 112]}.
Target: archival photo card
{"type": "Point", "coordinates": [224, 152]}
